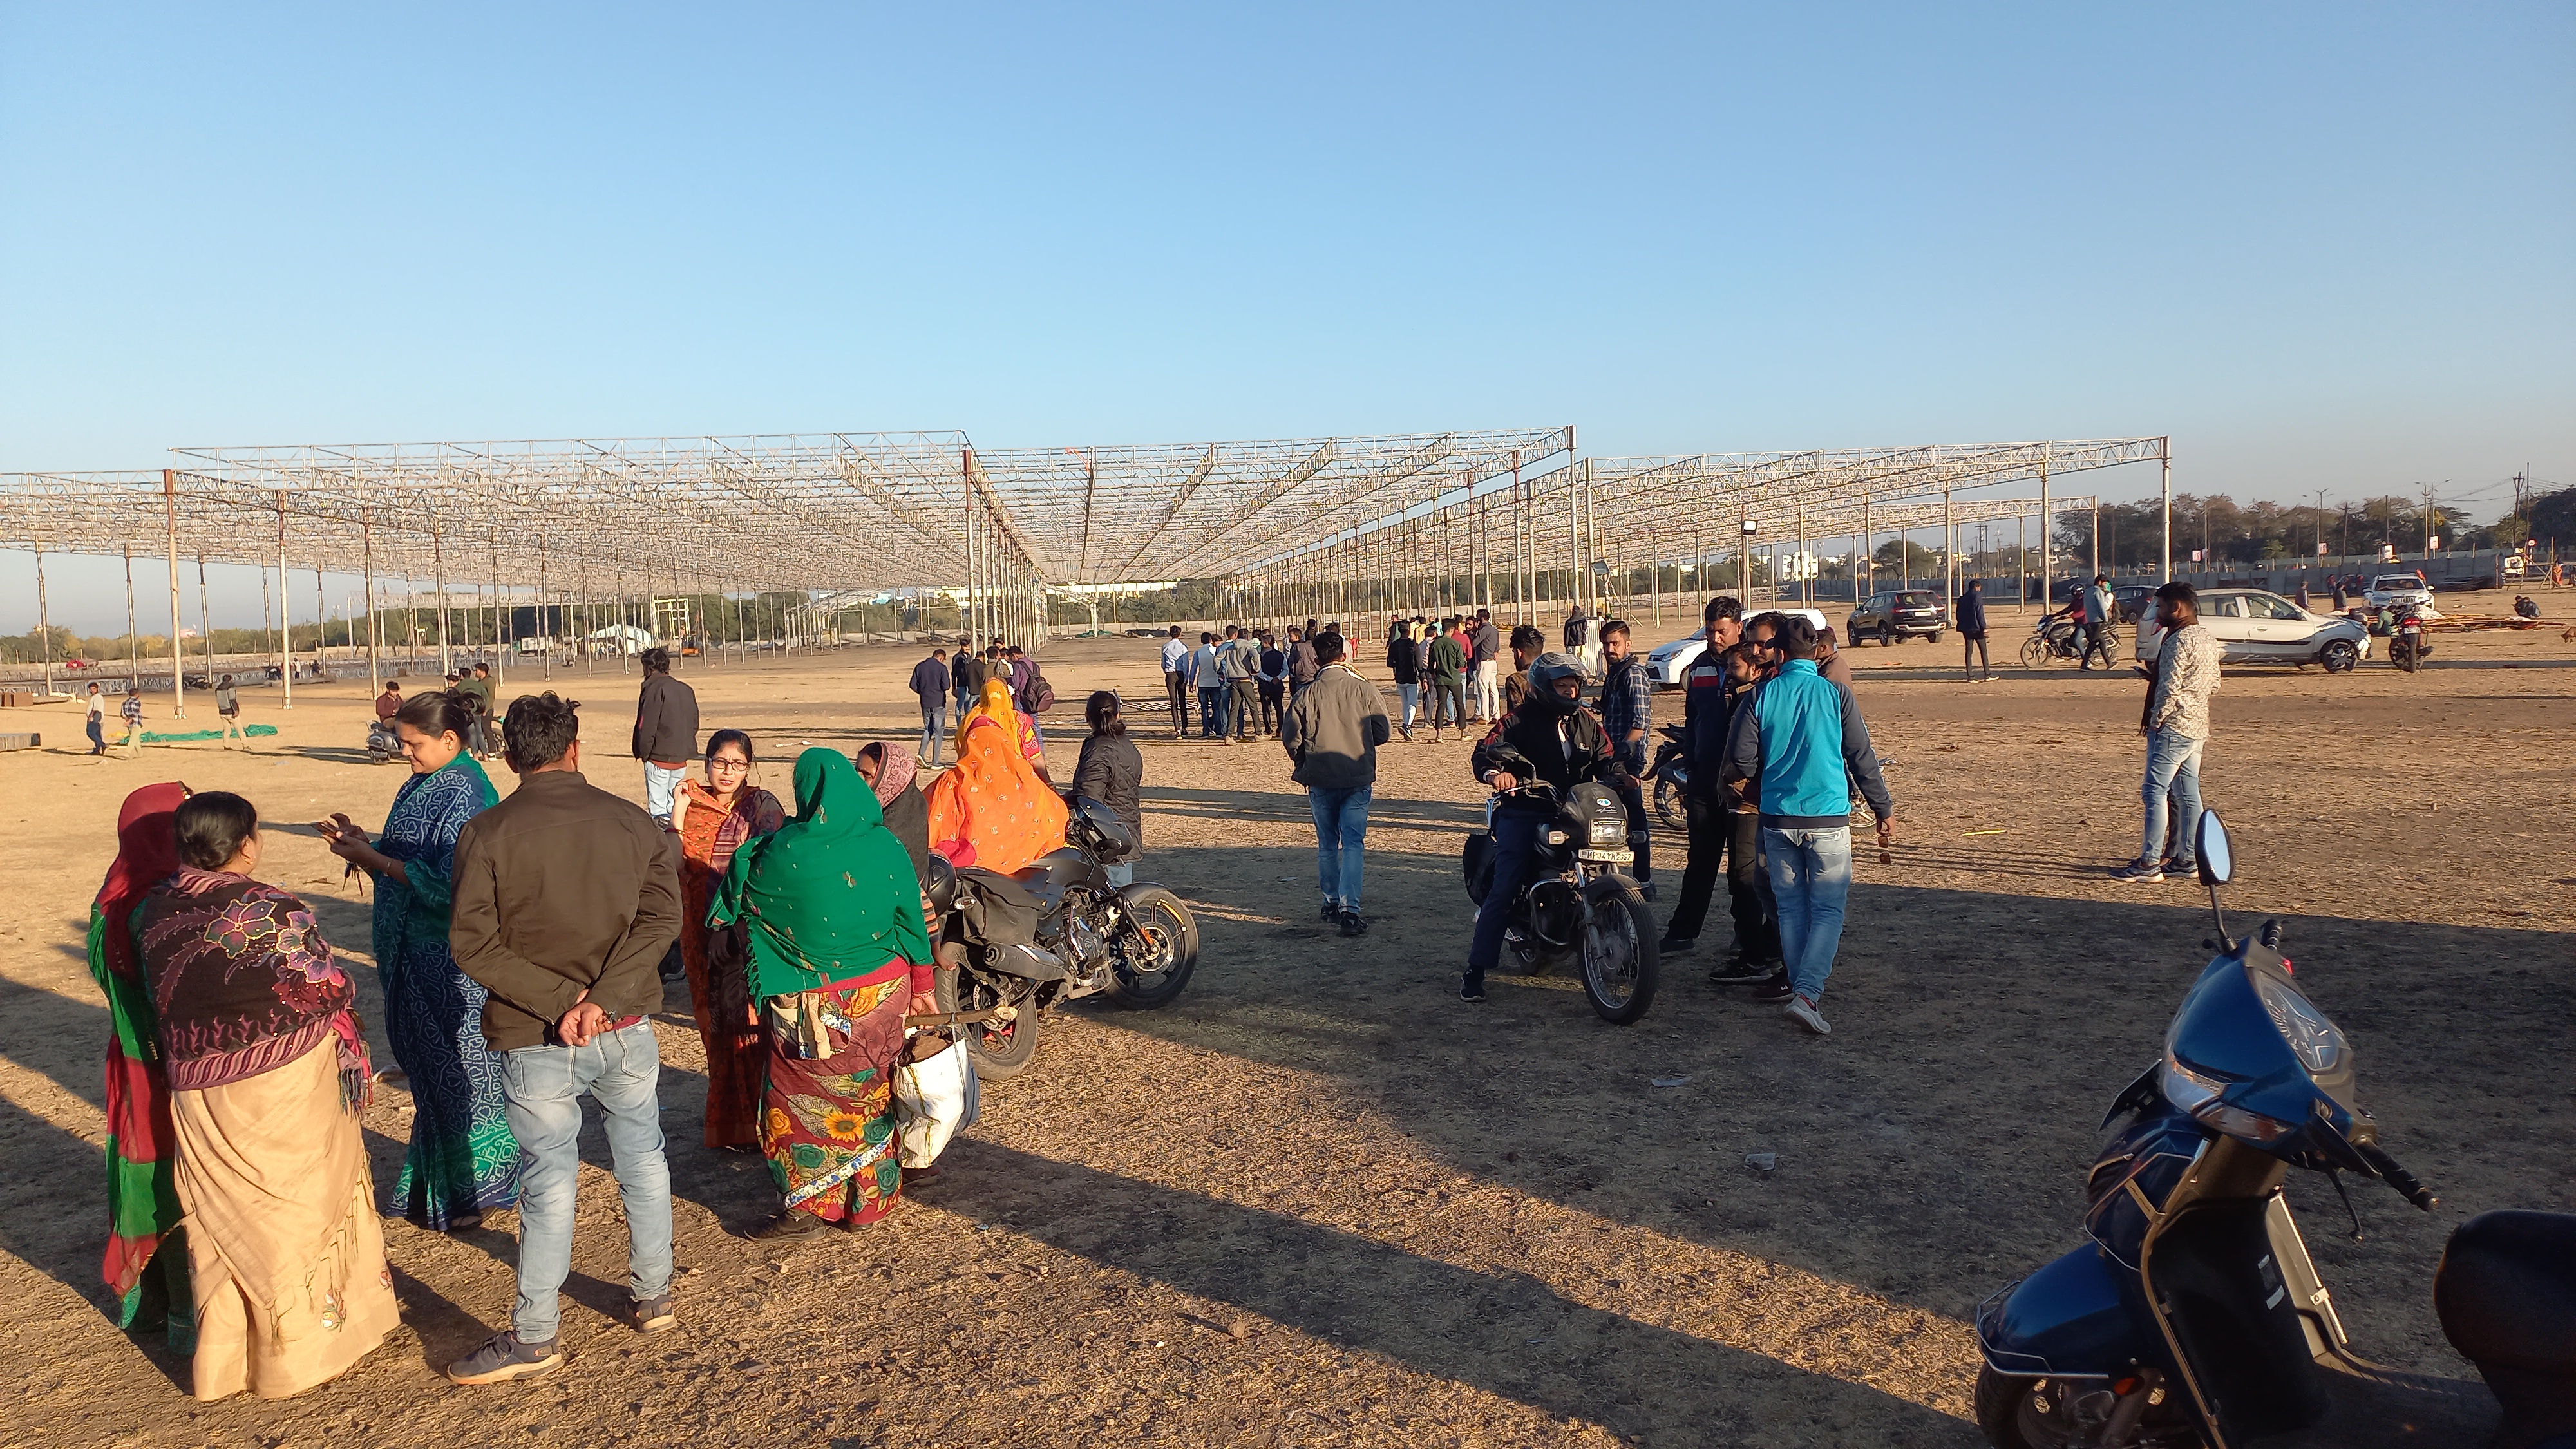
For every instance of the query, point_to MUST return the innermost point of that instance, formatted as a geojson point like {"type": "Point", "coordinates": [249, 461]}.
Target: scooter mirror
{"type": "Point", "coordinates": [2217, 861]}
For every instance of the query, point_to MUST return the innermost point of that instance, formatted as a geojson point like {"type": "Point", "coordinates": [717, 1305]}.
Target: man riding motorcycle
{"type": "Point", "coordinates": [1549, 736]}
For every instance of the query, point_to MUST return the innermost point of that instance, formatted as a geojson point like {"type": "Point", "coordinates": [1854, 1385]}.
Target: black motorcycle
{"type": "Point", "coordinates": [2406, 646]}
{"type": "Point", "coordinates": [1671, 773]}
{"type": "Point", "coordinates": [1581, 901]}
{"type": "Point", "coordinates": [2195, 1319]}
{"type": "Point", "coordinates": [1054, 930]}
{"type": "Point", "coordinates": [382, 743]}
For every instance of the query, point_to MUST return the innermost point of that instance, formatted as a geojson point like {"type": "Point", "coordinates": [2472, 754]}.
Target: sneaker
{"type": "Point", "coordinates": [502, 1358]}
{"type": "Point", "coordinates": [1676, 946]}
{"type": "Point", "coordinates": [1804, 1012]}
{"type": "Point", "coordinates": [1774, 988]}
{"type": "Point", "coordinates": [1332, 912]}
{"type": "Point", "coordinates": [788, 1223]}
{"type": "Point", "coordinates": [1471, 987]}
{"type": "Point", "coordinates": [1738, 970]}
{"type": "Point", "coordinates": [2180, 869]}
{"type": "Point", "coordinates": [652, 1315]}
{"type": "Point", "coordinates": [1353, 925]}
{"type": "Point", "coordinates": [2139, 870]}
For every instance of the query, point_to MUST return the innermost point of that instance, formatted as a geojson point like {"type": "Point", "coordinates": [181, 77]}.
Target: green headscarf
{"type": "Point", "coordinates": [831, 895]}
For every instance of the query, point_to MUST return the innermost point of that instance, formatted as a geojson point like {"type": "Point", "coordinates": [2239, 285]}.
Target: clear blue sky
{"type": "Point", "coordinates": [2322, 246]}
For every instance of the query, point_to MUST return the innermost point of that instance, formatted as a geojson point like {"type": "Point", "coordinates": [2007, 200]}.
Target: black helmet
{"type": "Point", "coordinates": [940, 884]}
{"type": "Point", "coordinates": [1544, 672]}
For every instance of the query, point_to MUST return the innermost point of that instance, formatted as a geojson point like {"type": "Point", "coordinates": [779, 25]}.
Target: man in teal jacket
{"type": "Point", "coordinates": [1800, 740]}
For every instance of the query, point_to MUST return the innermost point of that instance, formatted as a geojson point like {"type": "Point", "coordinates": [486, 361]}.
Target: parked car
{"type": "Point", "coordinates": [2254, 627]}
{"type": "Point", "coordinates": [1666, 664]}
{"type": "Point", "coordinates": [2391, 589]}
{"type": "Point", "coordinates": [1893, 614]}
{"type": "Point", "coordinates": [2133, 602]}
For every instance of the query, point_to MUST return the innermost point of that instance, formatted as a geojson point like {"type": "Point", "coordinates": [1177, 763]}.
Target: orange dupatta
{"type": "Point", "coordinates": [990, 809]}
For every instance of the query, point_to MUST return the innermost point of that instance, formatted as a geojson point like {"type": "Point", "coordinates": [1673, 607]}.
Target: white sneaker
{"type": "Point", "coordinates": [1804, 1012]}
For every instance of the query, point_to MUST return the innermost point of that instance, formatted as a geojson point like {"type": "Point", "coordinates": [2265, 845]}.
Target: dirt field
{"type": "Point", "coordinates": [1321, 1201]}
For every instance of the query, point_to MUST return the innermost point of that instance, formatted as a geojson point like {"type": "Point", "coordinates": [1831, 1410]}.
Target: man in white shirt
{"type": "Point", "coordinates": [97, 721]}
{"type": "Point", "coordinates": [1176, 685]}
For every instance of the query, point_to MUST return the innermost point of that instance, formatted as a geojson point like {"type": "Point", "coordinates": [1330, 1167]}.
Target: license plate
{"type": "Point", "coordinates": [1606, 857]}
{"type": "Point", "coordinates": [2411, 629]}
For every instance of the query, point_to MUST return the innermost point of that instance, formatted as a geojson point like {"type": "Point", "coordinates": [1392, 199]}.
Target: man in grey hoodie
{"type": "Point", "coordinates": [1332, 731]}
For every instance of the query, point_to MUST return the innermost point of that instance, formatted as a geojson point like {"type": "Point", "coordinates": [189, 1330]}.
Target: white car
{"type": "Point", "coordinates": [2389, 589]}
{"type": "Point", "coordinates": [1668, 663]}
{"type": "Point", "coordinates": [2254, 627]}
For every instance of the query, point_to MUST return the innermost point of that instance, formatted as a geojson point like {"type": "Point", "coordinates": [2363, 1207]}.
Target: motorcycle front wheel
{"type": "Point", "coordinates": [1618, 950]}
{"type": "Point", "coordinates": [1668, 803]}
{"type": "Point", "coordinates": [2020, 1413]}
{"type": "Point", "coordinates": [2034, 652]}
{"type": "Point", "coordinates": [1001, 1049]}
{"type": "Point", "coordinates": [1155, 950]}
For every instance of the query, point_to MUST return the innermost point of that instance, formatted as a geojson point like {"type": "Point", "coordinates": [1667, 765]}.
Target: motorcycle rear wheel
{"type": "Point", "coordinates": [1001, 1049]}
{"type": "Point", "coordinates": [1159, 933]}
{"type": "Point", "coordinates": [2010, 1412]}
{"type": "Point", "coordinates": [1617, 946]}
{"type": "Point", "coordinates": [1668, 803]}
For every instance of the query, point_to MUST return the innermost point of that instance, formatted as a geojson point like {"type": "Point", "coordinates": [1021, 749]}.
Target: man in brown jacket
{"type": "Point", "coordinates": [1332, 731]}
{"type": "Point", "coordinates": [666, 732]}
{"type": "Point", "coordinates": [565, 899]}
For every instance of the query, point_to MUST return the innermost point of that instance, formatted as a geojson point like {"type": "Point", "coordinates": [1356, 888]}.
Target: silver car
{"type": "Point", "coordinates": [2254, 627]}
{"type": "Point", "coordinates": [2390, 590]}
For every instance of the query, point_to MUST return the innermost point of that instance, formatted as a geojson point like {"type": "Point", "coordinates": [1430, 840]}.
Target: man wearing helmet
{"type": "Point", "coordinates": [1549, 736]}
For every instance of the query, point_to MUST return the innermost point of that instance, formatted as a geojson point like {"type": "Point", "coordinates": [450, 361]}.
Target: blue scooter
{"type": "Point", "coordinates": [2195, 1319]}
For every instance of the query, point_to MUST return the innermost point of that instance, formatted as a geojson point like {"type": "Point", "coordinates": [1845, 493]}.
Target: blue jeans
{"type": "Point", "coordinates": [1412, 694]}
{"type": "Point", "coordinates": [1810, 880]}
{"type": "Point", "coordinates": [1516, 833]}
{"type": "Point", "coordinates": [2173, 768]}
{"type": "Point", "coordinates": [1212, 719]}
{"type": "Point", "coordinates": [934, 724]}
{"type": "Point", "coordinates": [659, 786]}
{"type": "Point", "coordinates": [541, 1090]}
{"type": "Point", "coordinates": [1341, 828]}
{"type": "Point", "coordinates": [965, 702]}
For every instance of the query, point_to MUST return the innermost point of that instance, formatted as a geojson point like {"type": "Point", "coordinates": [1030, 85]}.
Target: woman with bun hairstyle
{"type": "Point", "coordinates": [267, 1066]}
{"type": "Point", "coordinates": [462, 1158]}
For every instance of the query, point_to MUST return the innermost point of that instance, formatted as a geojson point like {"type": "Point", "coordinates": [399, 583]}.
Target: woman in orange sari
{"type": "Point", "coordinates": [994, 808]}
{"type": "Point", "coordinates": [715, 819]}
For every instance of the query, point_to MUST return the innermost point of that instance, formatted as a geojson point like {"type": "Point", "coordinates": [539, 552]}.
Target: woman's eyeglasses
{"type": "Point", "coordinates": [733, 765]}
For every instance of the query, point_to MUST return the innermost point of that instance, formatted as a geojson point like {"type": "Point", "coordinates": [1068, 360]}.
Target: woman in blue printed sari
{"type": "Point", "coordinates": [462, 1158]}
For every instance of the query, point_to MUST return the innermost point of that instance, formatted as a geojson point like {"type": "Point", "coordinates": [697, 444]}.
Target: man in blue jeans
{"type": "Point", "coordinates": [930, 683]}
{"type": "Point", "coordinates": [1332, 730]}
{"type": "Point", "coordinates": [1548, 736]}
{"type": "Point", "coordinates": [1800, 741]}
{"type": "Point", "coordinates": [2176, 724]}
{"type": "Point", "coordinates": [565, 899]}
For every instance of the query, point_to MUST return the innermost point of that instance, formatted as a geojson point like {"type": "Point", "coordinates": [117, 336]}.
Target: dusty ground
{"type": "Point", "coordinates": [1319, 1201]}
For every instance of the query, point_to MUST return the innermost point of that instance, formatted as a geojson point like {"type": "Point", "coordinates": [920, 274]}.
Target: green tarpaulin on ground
{"type": "Point", "coordinates": [254, 731]}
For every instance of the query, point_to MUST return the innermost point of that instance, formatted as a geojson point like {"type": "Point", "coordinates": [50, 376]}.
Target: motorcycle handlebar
{"type": "Point", "coordinates": [2396, 1176]}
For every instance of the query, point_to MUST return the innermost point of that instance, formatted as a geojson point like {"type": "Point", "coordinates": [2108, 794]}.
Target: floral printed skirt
{"type": "Point", "coordinates": [827, 1112]}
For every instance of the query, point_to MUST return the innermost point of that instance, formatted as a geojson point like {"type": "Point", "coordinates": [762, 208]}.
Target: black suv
{"type": "Point", "coordinates": [1893, 614]}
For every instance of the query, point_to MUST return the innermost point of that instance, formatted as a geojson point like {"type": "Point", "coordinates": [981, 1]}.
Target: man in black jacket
{"type": "Point", "coordinates": [565, 899]}
{"type": "Point", "coordinates": [1550, 737]}
{"type": "Point", "coordinates": [1718, 836]}
{"type": "Point", "coordinates": [666, 732]}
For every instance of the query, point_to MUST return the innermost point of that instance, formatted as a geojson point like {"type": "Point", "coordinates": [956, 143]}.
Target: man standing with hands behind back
{"type": "Point", "coordinates": [565, 899]}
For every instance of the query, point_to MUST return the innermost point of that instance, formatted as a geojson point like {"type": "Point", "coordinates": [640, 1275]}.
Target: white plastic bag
{"type": "Point", "coordinates": [934, 1099]}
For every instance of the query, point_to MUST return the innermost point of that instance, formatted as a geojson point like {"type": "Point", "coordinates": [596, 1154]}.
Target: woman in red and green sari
{"type": "Point", "coordinates": [142, 1191]}
{"type": "Point", "coordinates": [838, 955]}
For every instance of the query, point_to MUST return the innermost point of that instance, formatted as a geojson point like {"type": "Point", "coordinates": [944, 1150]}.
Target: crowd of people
{"type": "Point", "coordinates": [521, 942]}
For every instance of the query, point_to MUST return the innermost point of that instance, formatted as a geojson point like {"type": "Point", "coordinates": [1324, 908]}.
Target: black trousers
{"type": "Point", "coordinates": [1271, 707]}
{"type": "Point", "coordinates": [2093, 645]}
{"type": "Point", "coordinates": [1177, 689]}
{"type": "Point", "coordinates": [1641, 833]}
{"type": "Point", "coordinates": [1716, 834]}
{"type": "Point", "coordinates": [1973, 653]}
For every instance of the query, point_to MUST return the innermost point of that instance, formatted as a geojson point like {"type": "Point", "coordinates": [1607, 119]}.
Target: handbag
{"type": "Point", "coordinates": [935, 1097]}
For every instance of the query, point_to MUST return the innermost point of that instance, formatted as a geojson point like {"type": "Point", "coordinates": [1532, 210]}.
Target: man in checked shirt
{"type": "Point", "coordinates": [1627, 717]}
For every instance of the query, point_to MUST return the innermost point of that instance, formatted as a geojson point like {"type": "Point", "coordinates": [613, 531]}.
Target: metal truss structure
{"type": "Point", "coordinates": [1559, 536]}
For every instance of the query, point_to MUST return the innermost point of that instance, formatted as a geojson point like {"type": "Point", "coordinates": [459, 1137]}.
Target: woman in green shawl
{"type": "Point", "coordinates": [831, 915]}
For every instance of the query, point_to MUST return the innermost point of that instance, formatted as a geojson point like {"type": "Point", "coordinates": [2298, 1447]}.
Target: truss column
{"type": "Point", "coordinates": [367, 547]}
{"type": "Point", "coordinates": [178, 661]}
{"type": "Point", "coordinates": [2021, 559]}
{"type": "Point", "coordinates": [45, 626]}
{"type": "Point", "coordinates": [544, 633]}
{"type": "Point", "coordinates": [2047, 547]}
{"type": "Point", "coordinates": [1868, 576]}
{"type": "Point", "coordinates": [2166, 488]}
{"type": "Point", "coordinates": [321, 614]}
{"type": "Point", "coordinates": [285, 610]}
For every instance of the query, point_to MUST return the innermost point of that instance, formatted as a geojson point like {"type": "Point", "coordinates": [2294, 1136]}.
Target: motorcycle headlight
{"type": "Point", "coordinates": [1606, 831]}
{"type": "Point", "coordinates": [2313, 1039]}
{"type": "Point", "coordinates": [1558, 837]}
{"type": "Point", "coordinates": [2198, 1094]}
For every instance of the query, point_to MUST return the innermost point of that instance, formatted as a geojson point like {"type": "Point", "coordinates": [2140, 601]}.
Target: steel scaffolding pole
{"type": "Point", "coordinates": [178, 663]}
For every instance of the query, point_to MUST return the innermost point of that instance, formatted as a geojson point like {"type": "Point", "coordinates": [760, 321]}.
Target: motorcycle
{"type": "Point", "coordinates": [1009, 946]}
{"type": "Point", "coordinates": [382, 743]}
{"type": "Point", "coordinates": [1671, 773]}
{"type": "Point", "coordinates": [1581, 901]}
{"type": "Point", "coordinates": [2406, 646]}
{"type": "Point", "coordinates": [2195, 1316]}
{"type": "Point", "coordinates": [2055, 637]}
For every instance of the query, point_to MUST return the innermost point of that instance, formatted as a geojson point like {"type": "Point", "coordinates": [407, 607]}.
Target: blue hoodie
{"type": "Point", "coordinates": [1801, 735]}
